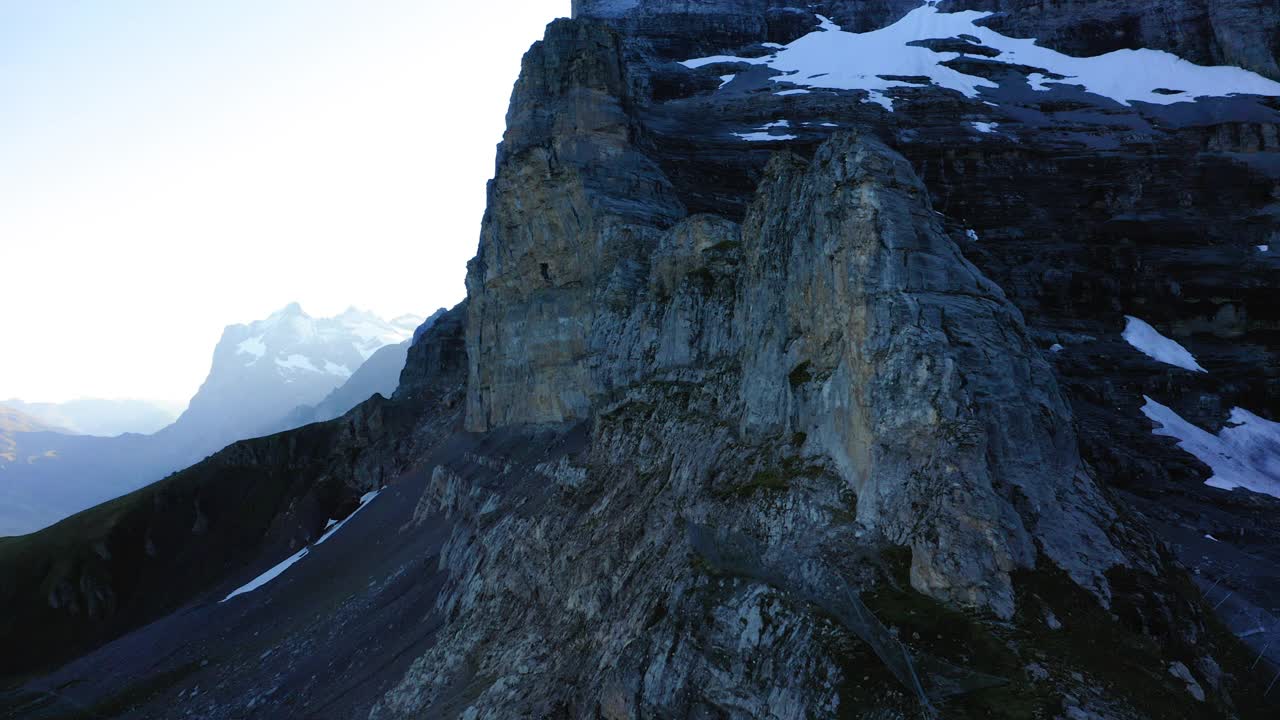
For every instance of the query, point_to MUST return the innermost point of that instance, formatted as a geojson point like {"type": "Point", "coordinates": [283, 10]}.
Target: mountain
{"type": "Point", "coordinates": [14, 421]}
{"type": "Point", "coordinates": [93, 416]}
{"type": "Point", "coordinates": [379, 375]}
{"type": "Point", "coordinates": [835, 359]}
{"type": "Point", "coordinates": [261, 372]}
{"type": "Point", "coordinates": [265, 369]}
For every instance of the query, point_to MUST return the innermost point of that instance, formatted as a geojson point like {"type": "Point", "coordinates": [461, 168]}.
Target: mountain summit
{"type": "Point", "coordinates": [267, 368]}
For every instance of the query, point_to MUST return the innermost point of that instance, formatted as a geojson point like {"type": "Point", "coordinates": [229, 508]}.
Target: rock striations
{"type": "Point", "coordinates": [752, 411]}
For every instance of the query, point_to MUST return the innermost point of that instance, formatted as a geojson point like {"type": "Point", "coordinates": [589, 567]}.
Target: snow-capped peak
{"type": "Point", "coordinates": [372, 332]}
{"type": "Point", "coordinates": [293, 345]}
{"type": "Point", "coordinates": [289, 359]}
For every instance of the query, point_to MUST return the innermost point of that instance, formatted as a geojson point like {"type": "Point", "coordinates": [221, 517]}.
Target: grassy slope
{"type": "Point", "coordinates": [97, 574]}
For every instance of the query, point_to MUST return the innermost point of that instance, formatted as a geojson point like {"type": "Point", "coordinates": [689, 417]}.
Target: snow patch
{"type": "Point", "coordinates": [971, 234]}
{"type": "Point", "coordinates": [1264, 248]}
{"type": "Point", "coordinates": [1037, 82]}
{"type": "Point", "coordinates": [1056, 348]}
{"type": "Point", "coordinates": [764, 137]}
{"type": "Point", "coordinates": [825, 24]}
{"type": "Point", "coordinates": [985, 127]}
{"type": "Point", "coordinates": [332, 527]}
{"type": "Point", "coordinates": [763, 134]}
{"type": "Point", "coordinates": [270, 575]}
{"type": "Point", "coordinates": [880, 60]}
{"type": "Point", "coordinates": [335, 527]}
{"type": "Point", "coordinates": [253, 346]}
{"type": "Point", "coordinates": [1158, 347]}
{"type": "Point", "coordinates": [297, 362]}
{"type": "Point", "coordinates": [1245, 454]}
{"type": "Point", "coordinates": [726, 79]}
{"type": "Point", "coordinates": [371, 332]}
{"type": "Point", "coordinates": [795, 91]}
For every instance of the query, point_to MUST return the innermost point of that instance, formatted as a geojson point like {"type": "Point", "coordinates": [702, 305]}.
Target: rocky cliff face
{"type": "Point", "coordinates": [787, 392]}
{"type": "Point", "coordinates": [808, 362]}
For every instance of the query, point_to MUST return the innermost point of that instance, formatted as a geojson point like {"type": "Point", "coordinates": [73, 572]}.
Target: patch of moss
{"type": "Point", "coordinates": [774, 479]}
{"type": "Point", "coordinates": [1114, 658]}
{"type": "Point", "coordinates": [725, 245]}
{"type": "Point", "coordinates": [865, 682]}
{"type": "Point", "coordinates": [705, 279]}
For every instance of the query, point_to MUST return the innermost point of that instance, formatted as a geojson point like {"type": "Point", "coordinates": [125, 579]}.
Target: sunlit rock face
{"type": "Point", "coordinates": [573, 215]}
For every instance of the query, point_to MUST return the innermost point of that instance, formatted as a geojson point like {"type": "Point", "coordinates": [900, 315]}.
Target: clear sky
{"type": "Point", "coordinates": [169, 168]}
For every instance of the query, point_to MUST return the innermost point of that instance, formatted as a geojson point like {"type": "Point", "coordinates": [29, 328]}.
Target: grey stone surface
{"type": "Point", "coordinates": [573, 208]}
{"type": "Point", "coordinates": [911, 372]}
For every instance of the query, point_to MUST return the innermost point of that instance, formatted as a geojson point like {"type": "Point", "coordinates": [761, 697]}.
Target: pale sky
{"type": "Point", "coordinates": [170, 168]}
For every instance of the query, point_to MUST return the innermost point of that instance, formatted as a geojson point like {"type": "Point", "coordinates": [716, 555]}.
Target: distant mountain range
{"type": "Point", "coordinates": [14, 421]}
{"type": "Point", "coordinates": [267, 376]}
{"type": "Point", "coordinates": [95, 416]}
{"type": "Point", "coordinates": [264, 370]}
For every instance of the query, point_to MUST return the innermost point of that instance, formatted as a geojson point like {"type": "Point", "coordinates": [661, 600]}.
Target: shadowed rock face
{"type": "Point", "coordinates": [1244, 33]}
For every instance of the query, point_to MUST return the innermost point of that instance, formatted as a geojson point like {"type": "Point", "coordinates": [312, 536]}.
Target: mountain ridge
{"type": "Point", "coordinates": [101, 417]}
{"type": "Point", "coordinates": [261, 372]}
